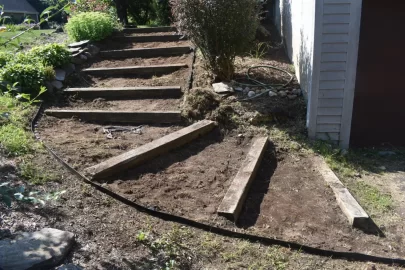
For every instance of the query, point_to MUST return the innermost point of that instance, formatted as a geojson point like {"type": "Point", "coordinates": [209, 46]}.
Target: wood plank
{"type": "Point", "coordinates": [149, 151]}
{"type": "Point", "coordinates": [337, 1]}
{"type": "Point", "coordinates": [330, 111]}
{"type": "Point", "coordinates": [332, 75]}
{"type": "Point", "coordinates": [334, 57]}
{"type": "Point", "coordinates": [330, 102]}
{"type": "Point", "coordinates": [100, 116]}
{"type": "Point", "coordinates": [234, 198]}
{"type": "Point", "coordinates": [333, 66]}
{"type": "Point", "coordinates": [350, 207]}
{"type": "Point", "coordinates": [116, 93]}
{"type": "Point", "coordinates": [136, 70]}
{"type": "Point", "coordinates": [150, 30]}
{"type": "Point", "coordinates": [147, 52]}
{"type": "Point", "coordinates": [160, 38]}
{"type": "Point", "coordinates": [336, 18]}
{"type": "Point", "coordinates": [329, 119]}
{"type": "Point", "coordinates": [325, 85]}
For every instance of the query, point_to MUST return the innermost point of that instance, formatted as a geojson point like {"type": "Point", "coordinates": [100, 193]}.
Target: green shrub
{"type": "Point", "coordinates": [15, 140]}
{"type": "Point", "coordinates": [222, 29]}
{"type": "Point", "coordinates": [55, 55]}
{"type": "Point", "coordinates": [29, 76]}
{"type": "Point", "coordinates": [90, 25]}
{"type": "Point", "coordinates": [5, 57]}
{"type": "Point", "coordinates": [163, 12]}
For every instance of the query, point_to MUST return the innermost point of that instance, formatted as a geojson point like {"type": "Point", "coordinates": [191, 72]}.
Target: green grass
{"type": "Point", "coordinates": [27, 39]}
{"type": "Point", "coordinates": [34, 173]}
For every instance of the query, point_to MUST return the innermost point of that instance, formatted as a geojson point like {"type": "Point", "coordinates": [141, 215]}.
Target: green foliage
{"type": "Point", "coordinates": [141, 11]}
{"type": "Point", "coordinates": [19, 193]}
{"type": "Point", "coordinates": [163, 12]}
{"type": "Point", "coordinates": [92, 5]}
{"type": "Point", "coordinates": [222, 30]}
{"type": "Point", "coordinates": [90, 25]}
{"type": "Point", "coordinates": [35, 174]}
{"type": "Point", "coordinates": [29, 76]}
{"type": "Point", "coordinates": [259, 50]}
{"type": "Point", "coordinates": [15, 140]}
{"type": "Point", "coordinates": [5, 57]}
{"type": "Point", "coordinates": [55, 55]}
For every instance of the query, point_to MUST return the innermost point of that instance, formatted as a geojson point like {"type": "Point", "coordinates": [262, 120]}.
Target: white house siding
{"type": "Point", "coordinates": [321, 38]}
{"type": "Point", "coordinates": [337, 30]}
{"type": "Point", "coordinates": [295, 19]}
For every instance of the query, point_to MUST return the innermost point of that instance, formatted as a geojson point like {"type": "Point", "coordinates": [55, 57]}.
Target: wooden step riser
{"type": "Point", "coordinates": [119, 117]}
{"type": "Point", "coordinates": [155, 52]}
{"type": "Point", "coordinates": [149, 30]}
{"type": "Point", "coordinates": [147, 70]}
{"type": "Point", "coordinates": [142, 39]}
{"type": "Point", "coordinates": [149, 151]}
{"type": "Point", "coordinates": [119, 94]}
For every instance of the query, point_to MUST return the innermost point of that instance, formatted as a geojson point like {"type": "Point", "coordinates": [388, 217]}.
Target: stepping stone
{"type": "Point", "coordinates": [136, 70]}
{"type": "Point", "coordinates": [37, 250]}
{"type": "Point", "coordinates": [80, 44]}
{"type": "Point", "coordinates": [147, 52]}
{"type": "Point", "coordinates": [60, 74]}
{"type": "Point", "coordinates": [232, 203]}
{"type": "Point", "coordinates": [150, 150]}
{"type": "Point", "coordinates": [161, 38]}
{"type": "Point", "coordinates": [150, 30]}
{"type": "Point", "coordinates": [127, 92]}
{"type": "Point", "coordinates": [99, 116]}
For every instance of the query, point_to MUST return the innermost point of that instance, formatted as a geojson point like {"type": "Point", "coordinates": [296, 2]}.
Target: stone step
{"type": "Point", "coordinates": [136, 70]}
{"type": "Point", "coordinates": [232, 203]}
{"type": "Point", "coordinates": [116, 93]}
{"type": "Point", "coordinates": [160, 38]}
{"type": "Point", "coordinates": [150, 150]}
{"type": "Point", "coordinates": [100, 116]}
{"type": "Point", "coordinates": [150, 30]}
{"type": "Point", "coordinates": [146, 52]}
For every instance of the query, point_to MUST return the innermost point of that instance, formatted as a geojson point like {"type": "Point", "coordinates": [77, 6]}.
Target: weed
{"type": "Point", "coordinates": [259, 50]}
{"type": "Point", "coordinates": [15, 140]}
{"type": "Point", "coordinates": [34, 174]}
{"type": "Point", "coordinates": [372, 199]}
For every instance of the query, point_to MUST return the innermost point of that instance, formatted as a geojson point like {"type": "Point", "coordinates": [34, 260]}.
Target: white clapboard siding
{"type": "Point", "coordinates": [335, 38]}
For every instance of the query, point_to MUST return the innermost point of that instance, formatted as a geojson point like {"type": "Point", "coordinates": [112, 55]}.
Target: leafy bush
{"type": "Point", "coordinates": [222, 29]}
{"type": "Point", "coordinates": [91, 5]}
{"type": "Point", "coordinates": [4, 58]}
{"type": "Point", "coordinates": [90, 25]}
{"type": "Point", "coordinates": [55, 55]}
{"type": "Point", "coordinates": [28, 76]}
{"type": "Point", "coordinates": [163, 12]}
{"type": "Point", "coordinates": [15, 141]}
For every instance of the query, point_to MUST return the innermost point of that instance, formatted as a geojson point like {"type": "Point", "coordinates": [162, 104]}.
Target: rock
{"type": "Point", "coordinates": [87, 54]}
{"type": "Point", "coordinates": [251, 94]}
{"type": "Point", "coordinates": [292, 97]}
{"type": "Point", "coordinates": [69, 68]}
{"type": "Point", "coordinates": [49, 86]}
{"type": "Point", "coordinates": [282, 94]}
{"type": "Point", "coordinates": [222, 88]}
{"type": "Point", "coordinates": [74, 50]}
{"type": "Point", "coordinates": [387, 153]}
{"type": "Point", "coordinates": [296, 92]}
{"type": "Point", "coordinates": [383, 168]}
{"type": "Point", "coordinates": [38, 250]}
{"type": "Point", "coordinates": [272, 94]}
{"type": "Point", "coordinates": [94, 50]}
{"type": "Point", "coordinates": [60, 74]}
{"type": "Point", "coordinates": [69, 266]}
{"type": "Point", "coordinates": [239, 89]}
{"type": "Point", "coordinates": [77, 60]}
{"type": "Point", "coordinates": [371, 267]}
{"type": "Point", "coordinates": [83, 57]}
{"type": "Point", "coordinates": [57, 84]}
{"type": "Point", "coordinates": [80, 44]}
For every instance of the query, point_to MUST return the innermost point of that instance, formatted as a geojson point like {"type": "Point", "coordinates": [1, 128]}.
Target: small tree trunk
{"type": "Point", "coordinates": [122, 11]}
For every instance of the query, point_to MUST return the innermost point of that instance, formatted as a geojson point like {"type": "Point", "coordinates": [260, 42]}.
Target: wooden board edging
{"type": "Point", "coordinates": [147, 52]}
{"type": "Point", "coordinates": [350, 207]}
{"type": "Point", "coordinates": [150, 30]}
{"type": "Point", "coordinates": [150, 150]}
{"type": "Point", "coordinates": [232, 203]}
{"type": "Point", "coordinates": [136, 70]}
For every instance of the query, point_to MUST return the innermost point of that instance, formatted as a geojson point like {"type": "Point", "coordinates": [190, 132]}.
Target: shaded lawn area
{"type": "Point", "coordinates": [27, 39]}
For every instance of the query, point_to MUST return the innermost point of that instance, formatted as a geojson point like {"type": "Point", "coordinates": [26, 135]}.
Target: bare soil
{"type": "Point", "coordinates": [119, 45]}
{"type": "Point", "coordinates": [99, 62]}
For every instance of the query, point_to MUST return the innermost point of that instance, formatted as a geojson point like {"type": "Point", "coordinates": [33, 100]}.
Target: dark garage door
{"type": "Point", "coordinates": [379, 104]}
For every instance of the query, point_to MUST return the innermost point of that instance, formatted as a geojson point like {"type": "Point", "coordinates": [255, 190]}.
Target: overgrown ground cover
{"type": "Point", "coordinates": [29, 39]}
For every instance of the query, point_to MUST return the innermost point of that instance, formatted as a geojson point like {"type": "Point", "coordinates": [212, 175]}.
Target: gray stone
{"type": "Point", "coordinates": [69, 68]}
{"type": "Point", "coordinates": [74, 50]}
{"type": "Point", "coordinates": [60, 74]}
{"type": "Point", "coordinates": [38, 250]}
{"type": "Point", "coordinates": [87, 54]}
{"type": "Point", "coordinates": [272, 94]}
{"type": "Point", "coordinates": [387, 153]}
{"type": "Point", "coordinates": [251, 94]}
{"type": "Point", "coordinates": [80, 44]}
{"type": "Point", "coordinates": [94, 50]}
{"type": "Point", "coordinates": [239, 89]}
{"type": "Point", "coordinates": [296, 92]}
{"type": "Point", "coordinates": [57, 84]}
{"type": "Point", "coordinates": [84, 57]}
{"type": "Point", "coordinates": [49, 86]}
{"type": "Point", "coordinates": [282, 94]}
{"type": "Point", "coordinates": [69, 266]}
{"type": "Point", "coordinates": [292, 97]}
{"type": "Point", "coordinates": [222, 88]}
{"type": "Point", "coordinates": [78, 60]}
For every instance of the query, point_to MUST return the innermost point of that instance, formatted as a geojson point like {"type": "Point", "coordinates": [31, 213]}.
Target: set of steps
{"type": "Point", "coordinates": [232, 203]}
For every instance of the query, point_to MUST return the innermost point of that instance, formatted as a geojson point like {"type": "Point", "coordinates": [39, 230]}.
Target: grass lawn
{"type": "Point", "coordinates": [29, 38]}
